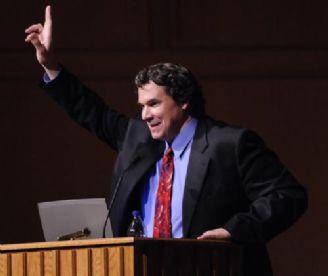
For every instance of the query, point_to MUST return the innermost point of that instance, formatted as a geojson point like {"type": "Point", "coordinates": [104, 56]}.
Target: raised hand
{"type": "Point", "coordinates": [41, 38]}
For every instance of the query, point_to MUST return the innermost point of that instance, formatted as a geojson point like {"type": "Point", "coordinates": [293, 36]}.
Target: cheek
{"type": "Point", "coordinates": [159, 113]}
{"type": "Point", "coordinates": [170, 119]}
{"type": "Point", "coordinates": [168, 115]}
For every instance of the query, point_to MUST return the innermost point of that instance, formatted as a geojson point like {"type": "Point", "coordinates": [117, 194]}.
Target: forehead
{"type": "Point", "coordinates": [151, 91]}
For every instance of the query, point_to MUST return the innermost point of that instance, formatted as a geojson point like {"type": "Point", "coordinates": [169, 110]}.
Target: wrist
{"type": "Point", "coordinates": [52, 70]}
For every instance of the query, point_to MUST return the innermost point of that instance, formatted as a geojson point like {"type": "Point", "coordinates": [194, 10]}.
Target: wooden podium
{"type": "Point", "coordinates": [121, 256]}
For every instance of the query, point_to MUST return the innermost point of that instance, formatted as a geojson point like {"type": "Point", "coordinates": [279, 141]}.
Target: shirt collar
{"type": "Point", "coordinates": [184, 138]}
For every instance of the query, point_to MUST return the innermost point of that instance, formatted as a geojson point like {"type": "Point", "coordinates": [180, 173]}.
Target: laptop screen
{"type": "Point", "coordinates": [72, 217]}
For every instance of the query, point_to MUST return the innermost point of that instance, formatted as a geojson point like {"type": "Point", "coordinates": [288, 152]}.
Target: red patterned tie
{"type": "Point", "coordinates": [162, 219]}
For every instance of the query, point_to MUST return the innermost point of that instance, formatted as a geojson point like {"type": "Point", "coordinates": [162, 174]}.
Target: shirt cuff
{"type": "Point", "coordinates": [46, 78]}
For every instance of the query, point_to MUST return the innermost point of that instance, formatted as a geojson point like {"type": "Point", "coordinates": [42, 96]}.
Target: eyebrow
{"type": "Point", "coordinates": [149, 101]}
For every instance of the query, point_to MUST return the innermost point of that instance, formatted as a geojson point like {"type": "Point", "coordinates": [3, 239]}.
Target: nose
{"type": "Point", "coordinates": [145, 114]}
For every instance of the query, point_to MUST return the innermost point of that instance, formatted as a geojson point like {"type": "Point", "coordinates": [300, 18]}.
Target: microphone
{"type": "Point", "coordinates": [110, 205]}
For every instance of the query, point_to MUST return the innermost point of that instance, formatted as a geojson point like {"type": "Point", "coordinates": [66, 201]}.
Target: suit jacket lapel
{"type": "Point", "coordinates": [140, 163]}
{"type": "Point", "coordinates": [144, 158]}
{"type": "Point", "coordinates": [196, 172]}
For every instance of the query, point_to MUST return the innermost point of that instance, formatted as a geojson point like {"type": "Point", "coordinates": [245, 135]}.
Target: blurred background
{"type": "Point", "coordinates": [262, 65]}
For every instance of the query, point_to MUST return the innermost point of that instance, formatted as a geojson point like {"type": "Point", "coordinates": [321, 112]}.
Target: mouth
{"type": "Point", "coordinates": [153, 125]}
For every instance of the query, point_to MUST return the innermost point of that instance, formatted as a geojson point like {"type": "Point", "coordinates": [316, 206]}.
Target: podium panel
{"type": "Point", "coordinates": [121, 257]}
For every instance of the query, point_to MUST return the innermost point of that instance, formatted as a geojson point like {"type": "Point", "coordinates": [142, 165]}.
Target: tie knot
{"type": "Point", "coordinates": [168, 155]}
{"type": "Point", "coordinates": [169, 152]}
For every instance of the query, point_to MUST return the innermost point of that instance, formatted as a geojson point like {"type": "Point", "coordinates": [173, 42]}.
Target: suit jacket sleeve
{"type": "Point", "coordinates": [87, 108]}
{"type": "Point", "coordinates": [276, 198]}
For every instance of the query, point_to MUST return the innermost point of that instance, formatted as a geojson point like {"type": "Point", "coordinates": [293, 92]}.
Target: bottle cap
{"type": "Point", "coordinates": [135, 213]}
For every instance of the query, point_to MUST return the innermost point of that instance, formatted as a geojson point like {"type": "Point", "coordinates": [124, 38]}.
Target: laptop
{"type": "Point", "coordinates": [74, 219]}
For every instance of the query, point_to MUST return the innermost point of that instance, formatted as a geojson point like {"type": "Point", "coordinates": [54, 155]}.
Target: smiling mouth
{"type": "Point", "coordinates": [153, 125]}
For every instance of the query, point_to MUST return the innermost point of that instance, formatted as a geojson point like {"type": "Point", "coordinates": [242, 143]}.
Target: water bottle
{"type": "Point", "coordinates": [136, 228]}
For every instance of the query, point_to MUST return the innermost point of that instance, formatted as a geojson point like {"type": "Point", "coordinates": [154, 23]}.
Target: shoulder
{"type": "Point", "coordinates": [219, 130]}
{"type": "Point", "coordinates": [220, 137]}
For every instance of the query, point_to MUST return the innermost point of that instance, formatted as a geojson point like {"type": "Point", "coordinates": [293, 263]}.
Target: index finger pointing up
{"type": "Point", "coordinates": [47, 15]}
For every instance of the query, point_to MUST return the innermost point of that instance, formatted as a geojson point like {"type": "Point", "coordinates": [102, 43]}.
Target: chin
{"type": "Point", "coordinates": [157, 136]}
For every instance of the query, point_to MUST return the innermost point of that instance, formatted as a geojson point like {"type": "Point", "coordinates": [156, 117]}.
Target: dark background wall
{"type": "Point", "coordinates": [262, 64]}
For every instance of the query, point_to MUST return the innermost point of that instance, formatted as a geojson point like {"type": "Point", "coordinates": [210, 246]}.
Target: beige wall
{"type": "Point", "coordinates": [262, 64]}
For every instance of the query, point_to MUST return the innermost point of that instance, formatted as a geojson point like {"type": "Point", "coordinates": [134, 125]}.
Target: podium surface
{"type": "Point", "coordinates": [121, 257]}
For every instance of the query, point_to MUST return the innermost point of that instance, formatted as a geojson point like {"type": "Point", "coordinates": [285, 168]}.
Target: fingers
{"type": "Point", "coordinates": [219, 233]}
{"type": "Point", "coordinates": [34, 39]}
{"type": "Point", "coordinates": [39, 27]}
{"type": "Point", "coordinates": [29, 37]}
{"type": "Point", "coordinates": [48, 15]}
{"type": "Point", "coordinates": [40, 36]}
{"type": "Point", "coordinates": [207, 235]}
{"type": "Point", "coordinates": [34, 28]}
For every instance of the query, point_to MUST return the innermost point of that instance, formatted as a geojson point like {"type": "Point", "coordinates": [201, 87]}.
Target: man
{"type": "Point", "coordinates": [189, 175]}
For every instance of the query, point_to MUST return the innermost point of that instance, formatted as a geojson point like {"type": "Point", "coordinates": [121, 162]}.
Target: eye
{"type": "Point", "coordinates": [153, 103]}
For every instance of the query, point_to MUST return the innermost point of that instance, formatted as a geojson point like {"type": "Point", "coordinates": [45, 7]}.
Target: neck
{"type": "Point", "coordinates": [183, 125]}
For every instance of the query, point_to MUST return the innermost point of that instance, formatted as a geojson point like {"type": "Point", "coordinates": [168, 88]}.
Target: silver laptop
{"type": "Point", "coordinates": [73, 219]}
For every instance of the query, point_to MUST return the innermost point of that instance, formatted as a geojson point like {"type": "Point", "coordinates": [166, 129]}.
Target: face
{"type": "Point", "coordinates": [163, 116]}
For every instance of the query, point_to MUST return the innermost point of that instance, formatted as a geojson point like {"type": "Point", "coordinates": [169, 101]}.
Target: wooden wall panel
{"type": "Point", "coordinates": [34, 264]}
{"type": "Point", "coordinates": [4, 265]}
{"type": "Point", "coordinates": [103, 24]}
{"type": "Point", "coordinates": [50, 263]}
{"type": "Point", "coordinates": [97, 261]}
{"type": "Point", "coordinates": [242, 25]}
{"type": "Point", "coordinates": [92, 25]}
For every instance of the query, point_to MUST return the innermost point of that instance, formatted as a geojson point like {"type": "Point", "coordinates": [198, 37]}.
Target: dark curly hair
{"type": "Point", "coordinates": [179, 82]}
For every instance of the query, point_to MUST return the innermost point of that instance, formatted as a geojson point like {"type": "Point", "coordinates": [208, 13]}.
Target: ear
{"type": "Point", "coordinates": [184, 106]}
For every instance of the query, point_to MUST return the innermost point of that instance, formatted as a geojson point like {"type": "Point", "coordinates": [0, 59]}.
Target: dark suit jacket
{"type": "Point", "coordinates": [233, 180]}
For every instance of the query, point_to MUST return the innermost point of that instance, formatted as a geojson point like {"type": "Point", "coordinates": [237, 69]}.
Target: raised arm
{"type": "Point", "coordinates": [80, 103]}
{"type": "Point", "coordinates": [41, 38]}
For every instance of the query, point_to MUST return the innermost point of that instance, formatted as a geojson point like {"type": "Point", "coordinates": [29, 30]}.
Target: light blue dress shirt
{"type": "Point", "coordinates": [181, 146]}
